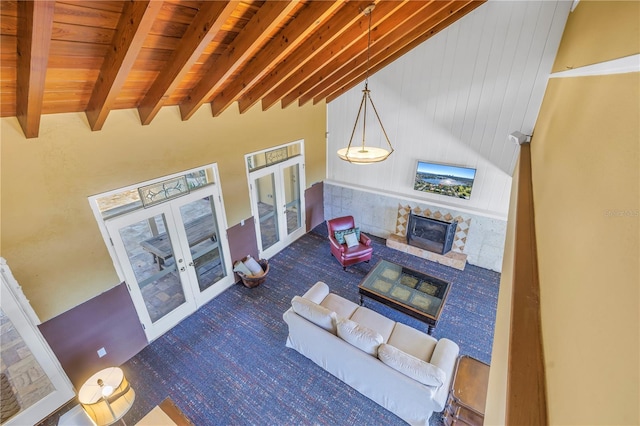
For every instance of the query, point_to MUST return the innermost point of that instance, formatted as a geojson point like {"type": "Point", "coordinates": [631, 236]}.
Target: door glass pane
{"type": "Point", "coordinates": [150, 253]}
{"type": "Point", "coordinates": [267, 211]}
{"type": "Point", "coordinates": [200, 225]}
{"type": "Point", "coordinates": [292, 197]}
{"type": "Point", "coordinates": [23, 380]}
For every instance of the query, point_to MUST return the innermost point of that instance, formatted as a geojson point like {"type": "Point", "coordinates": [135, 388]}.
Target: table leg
{"type": "Point", "coordinates": [361, 300]}
{"type": "Point", "coordinates": [430, 329]}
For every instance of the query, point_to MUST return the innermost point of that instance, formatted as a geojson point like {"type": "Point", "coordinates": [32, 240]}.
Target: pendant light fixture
{"type": "Point", "coordinates": [366, 154]}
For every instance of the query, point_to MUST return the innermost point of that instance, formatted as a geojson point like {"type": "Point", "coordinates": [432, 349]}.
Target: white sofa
{"type": "Point", "coordinates": [403, 369]}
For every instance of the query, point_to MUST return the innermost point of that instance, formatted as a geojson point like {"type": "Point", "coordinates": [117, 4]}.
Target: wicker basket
{"type": "Point", "coordinates": [255, 281]}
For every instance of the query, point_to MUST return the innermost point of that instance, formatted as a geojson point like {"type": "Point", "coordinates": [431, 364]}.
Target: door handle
{"type": "Point", "coordinates": [190, 263]}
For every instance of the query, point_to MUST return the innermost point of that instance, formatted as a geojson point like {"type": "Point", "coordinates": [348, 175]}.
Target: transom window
{"type": "Point", "coordinates": [137, 197]}
{"type": "Point", "coordinates": [261, 159]}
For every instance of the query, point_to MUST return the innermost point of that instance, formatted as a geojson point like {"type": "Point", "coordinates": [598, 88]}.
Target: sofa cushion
{"type": "Point", "coordinates": [417, 369]}
{"type": "Point", "coordinates": [412, 341]}
{"type": "Point", "coordinates": [359, 336]}
{"type": "Point", "coordinates": [342, 307]}
{"type": "Point", "coordinates": [317, 314]}
{"type": "Point", "coordinates": [374, 321]}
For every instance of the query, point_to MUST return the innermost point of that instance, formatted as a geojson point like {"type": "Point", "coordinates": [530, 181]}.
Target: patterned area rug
{"type": "Point", "coordinates": [227, 364]}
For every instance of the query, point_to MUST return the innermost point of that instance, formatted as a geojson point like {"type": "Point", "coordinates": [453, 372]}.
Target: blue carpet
{"type": "Point", "coordinates": [227, 364]}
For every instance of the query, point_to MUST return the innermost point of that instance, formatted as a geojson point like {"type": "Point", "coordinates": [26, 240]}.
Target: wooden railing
{"type": "Point", "coordinates": [526, 388]}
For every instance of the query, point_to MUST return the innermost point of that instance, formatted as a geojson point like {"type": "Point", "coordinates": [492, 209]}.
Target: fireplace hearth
{"type": "Point", "coordinates": [431, 234]}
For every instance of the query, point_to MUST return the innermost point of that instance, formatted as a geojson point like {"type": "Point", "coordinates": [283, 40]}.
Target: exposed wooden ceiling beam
{"type": "Point", "coordinates": [135, 22]}
{"type": "Point", "coordinates": [323, 66]}
{"type": "Point", "coordinates": [398, 38]}
{"type": "Point", "coordinates": [98, 56]}
{"type": "Point", "coordinates": [353, 65]}
{"type": "Point", "coordinates": [409, 42]}
{"type": "Point", "coordinates": [207, 22]}
{"type": "Point", "coordinates": [348, 15]}
{"type": "Point", "coordinates": [274, 52]}
{"type": "Point", "coordinates": [252, 37]}
{"type": "Point", "coordinates": [35, 23]}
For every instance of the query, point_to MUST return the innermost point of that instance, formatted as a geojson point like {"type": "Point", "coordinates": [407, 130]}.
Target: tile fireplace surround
{"type": "Point", "coordinates": [478, 237]}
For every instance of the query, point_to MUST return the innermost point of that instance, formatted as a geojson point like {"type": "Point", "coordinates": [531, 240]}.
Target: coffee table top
{"type": "Point", "coordinates": [411, 289]}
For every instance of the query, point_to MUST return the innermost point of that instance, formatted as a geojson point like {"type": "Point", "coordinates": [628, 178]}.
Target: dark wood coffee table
{"type": "Point", "coordinates": [406, 290]}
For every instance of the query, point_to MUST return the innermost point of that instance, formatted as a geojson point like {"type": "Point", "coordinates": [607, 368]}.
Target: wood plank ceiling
{"type": "Point", "coordinates": [97, 56]}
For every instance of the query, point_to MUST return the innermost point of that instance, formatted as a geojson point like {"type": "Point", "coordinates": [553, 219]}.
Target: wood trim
{"type": "Point", "coordinates": [526, 385]}
{"type": "Point", "coordinates": [35, 24]}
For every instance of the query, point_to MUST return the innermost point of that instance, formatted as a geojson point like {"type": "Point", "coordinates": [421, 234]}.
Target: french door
{"type": "Point", "coordinates": [278, 204]}
{"type": "Point", "coordinates": [33, 383]}
{"type": "Point", "coordinates": [174, 257]}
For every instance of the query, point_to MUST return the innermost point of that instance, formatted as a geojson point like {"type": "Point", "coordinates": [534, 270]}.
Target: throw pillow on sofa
{"type": "Point", "coordinates": [359, 336]}
{"type": "Point", "coordinates": [317, 314]}
{"type": "Point", "coordinates": [417, 369]}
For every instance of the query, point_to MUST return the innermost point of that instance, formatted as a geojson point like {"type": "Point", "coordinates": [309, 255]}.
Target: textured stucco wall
{"type": "Point", "coordinates": [49, 234]}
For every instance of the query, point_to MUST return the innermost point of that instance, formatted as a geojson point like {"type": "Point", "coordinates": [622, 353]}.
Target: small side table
{"type": "Point", "coordinates": [468, 393]}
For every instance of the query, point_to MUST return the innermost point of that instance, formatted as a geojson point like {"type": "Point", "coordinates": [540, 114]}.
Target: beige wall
{"type": "Point", "coordinates": [585, 162]}
{"type": "Point", "coordinates": [49, 234]}
{"type": "Point", "coordinates": [598, 31]}
{"type": "Point", "coordinates": [586, 183]}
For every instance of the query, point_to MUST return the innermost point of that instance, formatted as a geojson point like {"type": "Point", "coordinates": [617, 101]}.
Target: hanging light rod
{"type": "Point", "coordinates": [364, 154]}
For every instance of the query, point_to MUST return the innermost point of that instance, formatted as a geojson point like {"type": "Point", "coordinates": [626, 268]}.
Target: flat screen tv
{"type": "Point", "coordinates": [444, 179]}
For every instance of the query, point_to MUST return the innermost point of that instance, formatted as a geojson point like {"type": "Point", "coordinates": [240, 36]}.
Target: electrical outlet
{"type": "Point", "coordinates": [242, 222]}
{"type": "Point", "coordinates": [102, 352]}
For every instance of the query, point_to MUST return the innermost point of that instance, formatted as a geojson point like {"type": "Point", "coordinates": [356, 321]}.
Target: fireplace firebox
{"type": "Point", "coordinates": [431, 234]}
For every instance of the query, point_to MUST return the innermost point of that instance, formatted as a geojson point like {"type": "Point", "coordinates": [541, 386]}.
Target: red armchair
{"type": "Point", "coordinates": [348, 255]}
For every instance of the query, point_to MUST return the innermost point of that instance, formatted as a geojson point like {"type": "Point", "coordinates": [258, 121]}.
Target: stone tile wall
{"type": "Point", "coordinates": [481, 238]}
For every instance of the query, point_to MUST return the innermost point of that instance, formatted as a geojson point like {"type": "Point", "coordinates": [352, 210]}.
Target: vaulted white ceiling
{"type": "Point", "coordinates": [455, 99]}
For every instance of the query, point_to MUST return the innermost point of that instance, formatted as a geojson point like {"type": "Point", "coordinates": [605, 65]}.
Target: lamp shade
{"type": "Point", "coordinates": [106, 396]}
{"type": "Point", "coordinates": [363, 155]}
